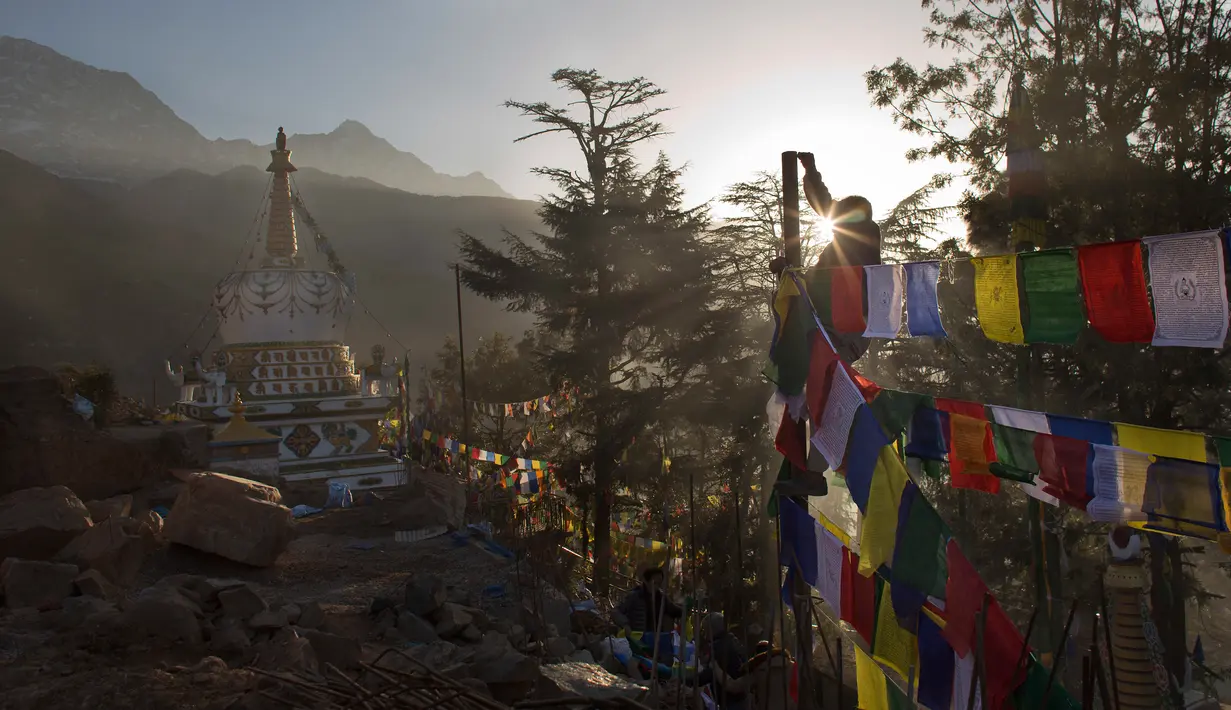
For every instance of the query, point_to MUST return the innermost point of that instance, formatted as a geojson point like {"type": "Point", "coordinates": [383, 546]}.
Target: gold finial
{"type": "Point", "coordinates": [237, 407]}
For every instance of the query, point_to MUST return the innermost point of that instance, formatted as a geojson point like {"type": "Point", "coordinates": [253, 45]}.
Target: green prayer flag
{"type": "Point", "coordinates": [1053, 296]}
{"type": "Point", "coordinates": [898, 700]}
{"type": "Point", "coordinates": [1029, 695]}
{"type": "Point", "coordinates": [1015, 452]}
{"type": "Point", "coordinates": [921, 558]}
{"type": "Point", "coordinates": [1223, 446]}
{"type": "Point", "coordinates": [894, 409]}
{"type": "Point", "coordinates": [793, 351]}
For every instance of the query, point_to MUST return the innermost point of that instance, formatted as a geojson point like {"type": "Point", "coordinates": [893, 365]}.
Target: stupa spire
{"type": "Point", "coordinates": [280, 236]}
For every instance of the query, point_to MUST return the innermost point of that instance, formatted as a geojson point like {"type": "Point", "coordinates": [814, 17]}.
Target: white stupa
{"type": "Point", "coordinates": [281, 329]}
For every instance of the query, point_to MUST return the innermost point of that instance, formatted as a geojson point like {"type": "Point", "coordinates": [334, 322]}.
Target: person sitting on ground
{"type": "Point", "coordinates": [639, 612]}
{"type": "Point", "coordinates": [723, 660]}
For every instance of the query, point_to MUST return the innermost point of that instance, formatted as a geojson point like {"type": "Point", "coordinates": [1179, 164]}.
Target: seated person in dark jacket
{"type": "Point", "coordinates": [720, 651]}
{"type": "Point", "coordinates": [639, 611]}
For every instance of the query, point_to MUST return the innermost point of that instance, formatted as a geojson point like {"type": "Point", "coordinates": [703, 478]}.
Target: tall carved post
{"type": "Point", "coordinates": [1133, 667]}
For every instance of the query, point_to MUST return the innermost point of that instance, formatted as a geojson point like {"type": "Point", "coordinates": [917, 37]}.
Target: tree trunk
{"type": "Point", "coordinates": [603, 469]}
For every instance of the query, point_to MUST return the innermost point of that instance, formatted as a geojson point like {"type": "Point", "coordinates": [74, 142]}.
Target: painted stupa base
{"type": "Point", "coordinates": [330, 439]}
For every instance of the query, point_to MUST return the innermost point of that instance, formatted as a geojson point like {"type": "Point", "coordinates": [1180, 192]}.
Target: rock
{"type": "Point", "coordinates": [340, 651]}
{"type": "Point", "coordinates": [433, 499]}
{"type": "Point", "coordinates": [416, 629]}
{"type": "Point", "coordinates": [231, 517]}
{"type": "Point", "coordinates": [287, 651]}
{"type": "Point", "coordinates": [582, 656]}
{"type": "Point", "coordinates": [588, 681]}
{"type": "Point", "coordinates": [292, 612]}
{"type": "Point", "coordinates": [34, 583]}
{"type": "Point", "coordinates": [559, 647]}
{"type": "Point", "coordinates": [151, 520]}
{"type": "Point", "coordinates": [478, 617]}
{"type": "Point", "coordinates": [510, 677]}
{"type": "Point", "coordinates": [451, 620]}
{"type": "Point", "coordinates": [380, 604]}
{"type": "Point", "coordinates": [36, 523]}
{"type": "Point", "coordinates": [116, 507]}
{"type": "Point", "coordinates": [92, 583]}
{"type": "Point", "coordinates": [425, 595]}
{"type": "Point", "coordinates": [268, 619]}
{"type": "Point", "coordinates": [114, 547]}
{"type": "Point", "coordinates": [230, 637]}
{"type": "Point", "coordinates": [163, 612]}
{"type": "Point", "coordinates": [77, 609]}
{"type": "Point", "coordinates": [241, 602]}
{"type": "Point", "coordinates": [471, 634]}
{"type": "Point", "coordinates": [311, 615]}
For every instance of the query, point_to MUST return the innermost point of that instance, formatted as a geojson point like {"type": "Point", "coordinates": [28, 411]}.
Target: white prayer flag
{"type": "Point", "coordinates": [1020, 419]}
{"type": "Point", "coordinates": [829, 568]}
{"type": "Point", "coordinates": [886, 294]}
{"type": "Point", "coordinates": [963, 679]}
{"type": "Point", "coordinates": [835, 428]}
{"type": "Point", "coordinates": [1119, 485]}
{"type": "Point", "coordinates": [1187, 283]}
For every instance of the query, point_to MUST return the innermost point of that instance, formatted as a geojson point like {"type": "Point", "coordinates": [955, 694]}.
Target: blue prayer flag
{"type": "Point", "coordinates": [922, 307]}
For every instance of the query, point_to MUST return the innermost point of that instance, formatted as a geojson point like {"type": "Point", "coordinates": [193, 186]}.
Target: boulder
{"type": "Point", "coordinates": [286, 651]}
{"type": "Point", "coordinates": [270, 619]}
{"type": "Point", "coordinates": [241, 602]}
{"type": "Point", "coordinates": [35, 583]}
{"type": "Point", "coordinates": [164, 612]}
{"type": "Point", "coordinates": [36, 523]}
{"type": "Point", "coordinates": [589, 681]}
{"type": "Point", "coordinates": [471, 634]}
{"type": "Point", "coordinates": [229, 637]}
{"type": "Point", "coordinates": [292, 612]}
{"type": "Point", "coordinates": [341, 651]}
{"type": "Point", "coordinates": [415, 629]}
{"type": "Point", "coordinates": [559, 647]}
{"type": "Point", "coordinates": [510, 676]}
{"type": "Point", "coordinates": [451, 620]}
{"type": "Point", "coordinates": [92, 583]}
{"type": "Point", "coordinates": [231, 517]}
{"type": "Point", "coordinates": [432, 499]}
{"type": "Point", "coordinates": [77, 609]}
{"type": "Point", "coordinates": [311, 615]}
{"type": "Point", "coordinates": [115, 547]}
{"type": "Point", "coordinates": [116, 507]}
{"type": "Point", "coordinates": [152, 520]}
{"type": "Point", "coordinates": [425, 595]}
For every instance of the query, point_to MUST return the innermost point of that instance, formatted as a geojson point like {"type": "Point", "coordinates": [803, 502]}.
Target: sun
{"type": "Point", "coordinates": [824, 230]}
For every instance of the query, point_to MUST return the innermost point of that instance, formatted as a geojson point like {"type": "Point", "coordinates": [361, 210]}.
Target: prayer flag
{"type": "Point", "coordinates": [820, 374]}
{"type": "Point", "coordinates": [791, 350]}
{"type": "Point", "coordinates": [928, 436]}
{"type": "Point", "coordinates": [936, 665]}
{"type": "Point", "coordinates": [996, 298]}
{"type": "Point", "coordinates": [1186, 445]}
{"type": "Point", "coordinates": [870, 681]}
{"type": "Point", "coordinates": [964, 682]}
{"type": "Point", "coordinates": [964, 596]}
{"type": "Point", "coordinates": [858, 596]}
{"type": "Point", "coordinates": [886, 285]}
{"type": "Point", "coordinates": [894, 409]}
{"type": "Point", "coordinates": [834, 428]}
{"type": "Point", "coordinates": [1020, 419]}
{"type": "Point", "coordinates": [792, 439]}
{"type": "Point", "coordinates": [1114, 285]}
{"type": "Point", "coordinates": [846, 292]}
{"type": "Point", "coordinates": [1187, 280]}
{"type": "Point", "coordinates": [1119, 485]}
{"type": "Point", "coordinates": [971, 447]}
{"type": "Point", "coordinates": [880, 524]}
{"type": "Point", "coordinates": [919, 556]}
{"type": "Point", "coordinates": [892, 645]}
{"type": "Point", "coordinates": [922, 307]}
{"type": "Point", "coordinates": [1063, 464]}
{"type": "Point", "coordinates": [1223, 446]}
{"type": "Point", "coordinates": [1183, 497]}
{"type": "Point", "coordinates": [1053, 296]}
{"type": "Point", "coordinates": [863, 452]}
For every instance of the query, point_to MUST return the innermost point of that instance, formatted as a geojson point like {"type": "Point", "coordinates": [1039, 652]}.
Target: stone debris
{"type": "Point", "coordinates": [36, 523]}
{"type": "Point", "coordinates": [116, 548]}
{"type": "Point", "coordinates": [231, 517]}
{"type": "Point", "coordinates": [35, 583]}
{"type": "Point", "coordinates": [115, 507]}
{"type": "Point", "coordinates": [92, 583]}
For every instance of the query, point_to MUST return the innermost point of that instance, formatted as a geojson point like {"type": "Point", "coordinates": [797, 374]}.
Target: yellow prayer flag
{"type": "Point", "coordinates": [870, 681]}
{"type": "Point", "coordinates": [1000, 314]}
{"type": "Point", "coordinates": [1162, 442]}
{"type": "Point", "coordinates": [968, 435]}
{"type": "Point", "coordinates": [893, 645]}
{"type": "Point", "coordinates": [833, 528]}
{"type": "Point", "coordinates": [880, 524]}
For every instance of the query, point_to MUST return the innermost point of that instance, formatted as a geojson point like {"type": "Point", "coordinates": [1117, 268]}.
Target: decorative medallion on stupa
{"type": "Point", "coordinates": [281, 327]}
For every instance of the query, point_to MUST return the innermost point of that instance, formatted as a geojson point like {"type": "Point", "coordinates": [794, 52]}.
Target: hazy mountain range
{"type": "Point", "coordinates": [78, 120]}
{"type": "Point", "coordinates": [114, 231]}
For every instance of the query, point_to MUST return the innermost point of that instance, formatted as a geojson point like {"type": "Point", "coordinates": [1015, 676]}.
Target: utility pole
{"type": "Point", "coordinates": [461, 357]}
{"type": "Point", "coordinates": [793, 250]}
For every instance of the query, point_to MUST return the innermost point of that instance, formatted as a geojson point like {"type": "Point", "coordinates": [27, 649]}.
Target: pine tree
{"type": "Point", "coordinates": [620, 282]}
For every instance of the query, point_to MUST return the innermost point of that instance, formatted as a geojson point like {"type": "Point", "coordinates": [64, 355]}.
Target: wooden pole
{"type": "Point", "coordinates": [792, 248]}
{"type": "Point", "coordinates": [461, 356]}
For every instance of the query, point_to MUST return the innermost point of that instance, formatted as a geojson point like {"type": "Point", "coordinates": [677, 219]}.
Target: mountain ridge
{"type": "Point", "coordinates": [80, 121]}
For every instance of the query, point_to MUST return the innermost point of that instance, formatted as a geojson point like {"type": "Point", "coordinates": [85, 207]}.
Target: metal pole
{"type": "Point", "coordinates": [461, 356]}
{"type": "Point", "coordinates": [793, 250]}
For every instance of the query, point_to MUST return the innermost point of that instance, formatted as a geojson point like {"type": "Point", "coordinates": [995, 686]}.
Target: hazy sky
{"type": "Point", "coordinates": [746, 80]}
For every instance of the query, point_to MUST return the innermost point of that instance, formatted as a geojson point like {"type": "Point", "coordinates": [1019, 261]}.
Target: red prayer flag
{"type": "Point", "coordinates": [1002, 647]}
{"type": "Point", "coordinates": [1114, 285]}
{"type": "Point", "coordinates": [858, 596]}
{"type": "Point", "coordinates": [792, 439]}
{"type": "Point", "coordinates": [968, 468]}
{"type": "Point", "coordinates": [1062, 468]}
{"type": "Point", "coordinates": [820, 372]}
{"type": "Point", "coordinates": [964, 593]}
{"type": "Point", "coordinates": [846, 294]}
